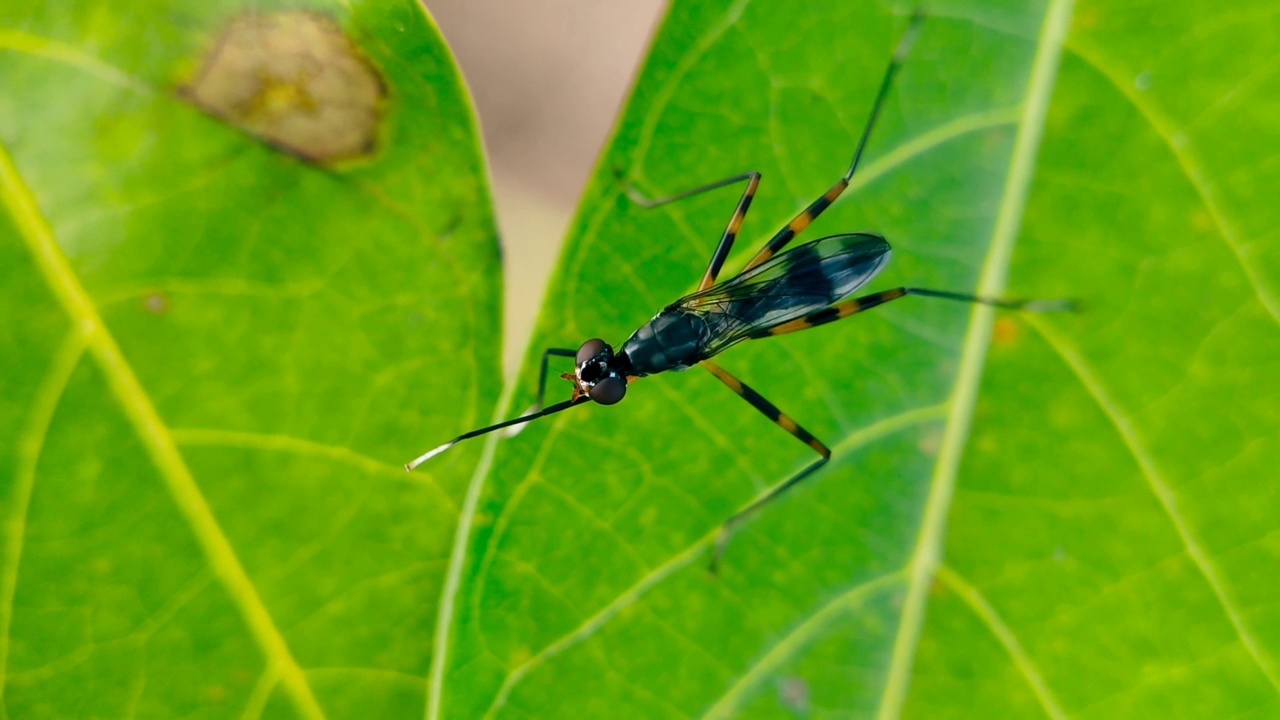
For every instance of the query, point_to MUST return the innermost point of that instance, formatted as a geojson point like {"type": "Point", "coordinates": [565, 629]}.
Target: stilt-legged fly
{"type": "Point", "coordinates": [777, 293]}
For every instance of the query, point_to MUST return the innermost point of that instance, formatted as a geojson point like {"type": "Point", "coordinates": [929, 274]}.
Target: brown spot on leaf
{"type": "Point", "coordinates": [1006, 331]}
{"type": "Point", "coordinates": [937, 588]}
{"type": "Point", "coordinates": [296, 81]}
{"type": "Point", "coordinates": [520, 656]}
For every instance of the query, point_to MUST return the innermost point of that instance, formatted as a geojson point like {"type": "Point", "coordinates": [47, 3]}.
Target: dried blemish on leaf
{"type": "Point", "coordinates": [296, 81]}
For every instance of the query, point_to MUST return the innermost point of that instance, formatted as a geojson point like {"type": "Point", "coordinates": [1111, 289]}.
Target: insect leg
{"type": "Point", "coordinates": [735, 222]}
{"type": "Point", "coordinates": [542, 376]}
{"type": "Point", "coordinates": [833, 313]}
{"type": "Point", "coordinates": [866, 302]}
{"type": "Point", "coordinates": [783, 421]}
{"type": "Point", "coordinates": [648, 204]}
{"type": "Point", "coordinates": [730, 232]}
{"type": "Point", "coordinates": [1035, 306]}
{"type": "Point", "coordinates": [809, 214]}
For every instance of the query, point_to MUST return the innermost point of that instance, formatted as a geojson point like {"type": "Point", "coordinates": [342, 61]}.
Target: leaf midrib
{"type": "Point", "coordinates": [927, 556]}
{"type": "Point", "coordinates": [155, 436]}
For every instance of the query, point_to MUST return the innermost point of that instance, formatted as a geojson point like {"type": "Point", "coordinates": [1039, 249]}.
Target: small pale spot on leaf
{"type": "Point", "coordinates": [930, 442]}
{"type": "Point", "coordinates": [794, 693]}
{"type": "Point", "coordinates": [156, 303]}
{"type": "Point", "coordinates": [296, 81]}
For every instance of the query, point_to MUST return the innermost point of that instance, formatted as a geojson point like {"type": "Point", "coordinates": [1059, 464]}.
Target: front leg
{"type": "Point", "coordinates": [542, 375]}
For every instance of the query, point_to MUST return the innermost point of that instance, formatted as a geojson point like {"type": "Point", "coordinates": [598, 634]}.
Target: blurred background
{"type": "Point", "coordinates": [547, 78]}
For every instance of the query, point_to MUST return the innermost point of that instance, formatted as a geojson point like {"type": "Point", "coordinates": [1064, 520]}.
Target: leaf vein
{"type": "Point", "coordinates": [30, 447]}
{"type": "Point", "coordinates": [860, 438]}
{"type": "Point", "coordinates": [1163, 493]}
{"type": "Point", "coordinates": [1004, 635]}
{"type": "Point", "coordinates": [798, 637]}
{"type": "Point", "coordinates": [597, 620]}
{"type": "Point", "coordinates": [50, 49]}
{"type": "Point", "coordinates": [136, 404]}
{"type": "Point", "coordinates": [216, 437]}
{"type": "Point", "coordinates": [457, 557]}
{"type": "Point", "coordinates": [1180, 148]}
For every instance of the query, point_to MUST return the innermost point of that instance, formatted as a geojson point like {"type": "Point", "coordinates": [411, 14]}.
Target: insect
{"type": "Point", "coordinates": [775, 294]}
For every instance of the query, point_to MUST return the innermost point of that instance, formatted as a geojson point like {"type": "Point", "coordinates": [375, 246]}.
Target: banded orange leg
{"type": "Point", "coordinates": [783, 421]}
{"type": "Point", "coordinates": [866, 302]}
{"type": "Point", "coordinates": [811, 213]}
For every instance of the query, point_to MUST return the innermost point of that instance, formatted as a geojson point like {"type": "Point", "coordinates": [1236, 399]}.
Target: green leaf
{"type": "Point", "coordinates": [1026, 515]}
{"type": "Point", "coordinates": [215, 354]}
{"type": "Point", "coordinates": [226, 334]}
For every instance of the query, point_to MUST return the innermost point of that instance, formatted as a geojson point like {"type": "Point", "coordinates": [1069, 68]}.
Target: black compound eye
{"type": "Point", "coordinates": [609, 390]}
{"type": "Point", "coordinates": [590, 349]}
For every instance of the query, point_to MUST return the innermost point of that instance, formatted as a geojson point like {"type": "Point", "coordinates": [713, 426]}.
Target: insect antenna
{"type": "Point", "coordinates": [549, 410]}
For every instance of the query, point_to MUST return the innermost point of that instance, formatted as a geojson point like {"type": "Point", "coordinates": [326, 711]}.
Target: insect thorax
{"type": "Point", "coordinates": [672, 340]}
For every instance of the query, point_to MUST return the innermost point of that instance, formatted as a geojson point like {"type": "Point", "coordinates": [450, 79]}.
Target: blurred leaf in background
{"type": "Point", "coordinates": [214, 352]}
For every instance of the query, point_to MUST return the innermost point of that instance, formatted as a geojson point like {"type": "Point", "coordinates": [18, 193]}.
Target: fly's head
{"type": "Point", "coordinates": [598, 373]}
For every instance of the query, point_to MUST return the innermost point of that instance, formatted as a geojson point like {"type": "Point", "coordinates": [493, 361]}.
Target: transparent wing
{"type": "Point", "coordinates": [795, 283]}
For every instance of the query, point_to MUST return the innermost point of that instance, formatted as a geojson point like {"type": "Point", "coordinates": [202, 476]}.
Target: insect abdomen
{"type": "Point", "coordinates": [672, 340]}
